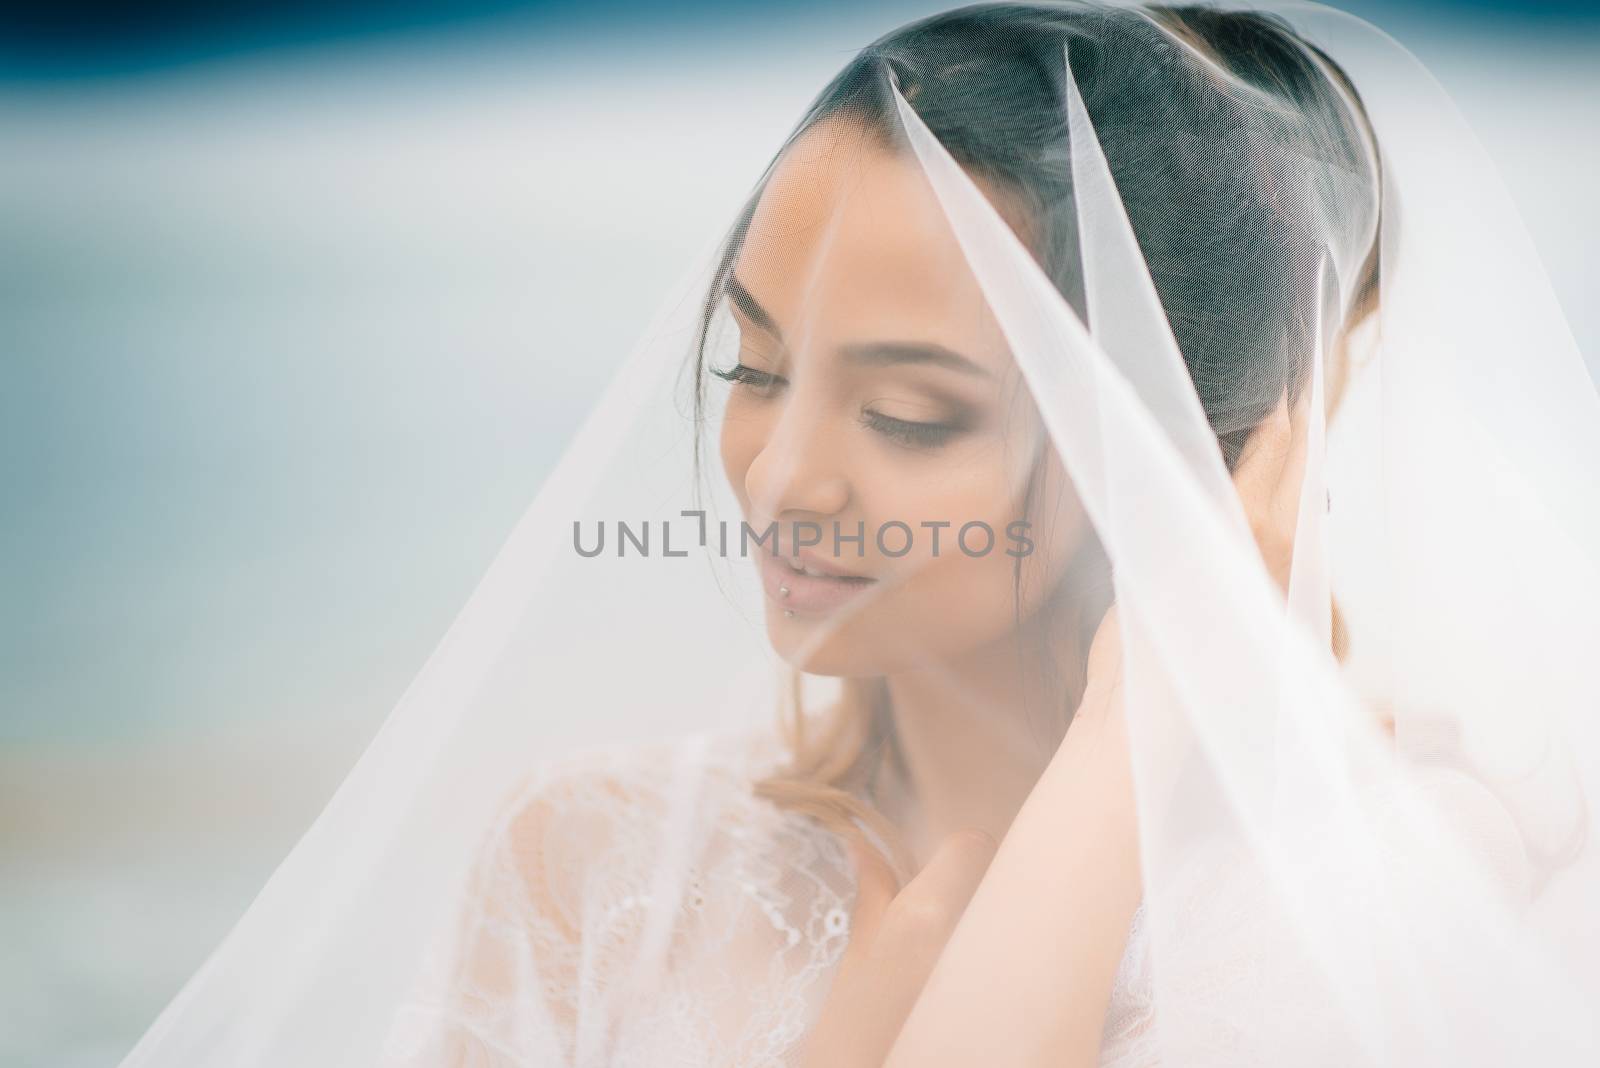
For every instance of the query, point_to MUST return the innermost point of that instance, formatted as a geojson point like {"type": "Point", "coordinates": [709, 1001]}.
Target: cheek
{"type": "Point", "coordinates": [979, 598]}
{"type": "Point", "coordinates": [967, 599]}
{"type": "Point", "coordinates": [980, 487]}
{"type": "Point", "coordinates": [742, 438]}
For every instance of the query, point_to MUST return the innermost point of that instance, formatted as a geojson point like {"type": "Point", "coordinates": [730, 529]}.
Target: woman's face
{"type": "Point", "coordinates": [874, 391]}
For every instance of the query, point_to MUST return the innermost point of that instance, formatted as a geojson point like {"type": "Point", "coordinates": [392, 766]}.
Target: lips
{"type": "Point", "coordinates": [807, 584]}
{"type": "Point", "coordinates": [810, 564]}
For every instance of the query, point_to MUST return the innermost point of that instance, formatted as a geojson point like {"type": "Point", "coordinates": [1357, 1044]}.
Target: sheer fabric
{"type": "Point", "coordinates": [563, 893]}
{"type": "Point", "coordinates": [1173, 245]}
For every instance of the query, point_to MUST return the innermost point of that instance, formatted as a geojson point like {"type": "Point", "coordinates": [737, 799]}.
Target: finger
{"type": "Point", "coordinates": [1261, 462]}
{"type": "Point", "coordinates": [1292, 476]}
{"type": "Point", "coordinates": [931, 903]}
{"type": "Point", "coordinates": [876, 887]}
{"type": "Point", "coordinates": [920, 920]}
{"type": "Point", "coordinates": [1268, 476]}
{"type": "Point", "coordinates": [879, 978]}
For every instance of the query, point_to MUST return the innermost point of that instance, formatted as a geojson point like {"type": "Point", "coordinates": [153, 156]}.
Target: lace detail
{"type": "Point", "coordinates": [578, 946]}
{"type": "Point", "coordinates": [1129, 1038]}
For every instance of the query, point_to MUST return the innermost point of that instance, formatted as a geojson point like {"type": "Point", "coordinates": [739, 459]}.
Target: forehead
{"type": "Point", "coordinates": [848, 237]}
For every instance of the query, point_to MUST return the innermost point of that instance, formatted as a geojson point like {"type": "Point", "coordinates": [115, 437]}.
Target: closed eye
{"type": "Point", "coordinates": [909, 432]}
{"type": "Point", "coordinates": [745, 375]}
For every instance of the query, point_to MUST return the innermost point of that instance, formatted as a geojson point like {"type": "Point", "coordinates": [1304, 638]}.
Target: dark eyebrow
{"type": "Point", "coordinates": [750, 306]}
{"type": "Point", "coordinates": [883, 353]}
{"type": "Point", "coordinates": [872, 353]}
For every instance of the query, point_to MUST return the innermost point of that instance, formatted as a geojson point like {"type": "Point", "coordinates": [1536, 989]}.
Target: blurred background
{"type": "Point", "coordinates": [299, 303]}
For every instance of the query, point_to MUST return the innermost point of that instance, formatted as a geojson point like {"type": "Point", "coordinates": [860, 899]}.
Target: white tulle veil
{"type": "Point", "coordinates": [1364, 799]}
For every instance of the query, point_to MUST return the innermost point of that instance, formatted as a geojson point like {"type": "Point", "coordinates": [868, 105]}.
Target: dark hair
{"type": "Point", "coordinates": [1229, 252]}
{"type": "Point", "coordinates": [1233, 236]}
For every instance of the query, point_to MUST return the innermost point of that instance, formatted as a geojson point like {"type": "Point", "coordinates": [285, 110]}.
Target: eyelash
{"type": "Point", "coordinates": [904, 431]}
{"type": "Point", "coordinates": [742, 375]}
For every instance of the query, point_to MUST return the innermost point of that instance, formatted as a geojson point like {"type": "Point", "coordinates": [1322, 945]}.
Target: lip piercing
{"type": "Point", "coordinates": [783, 591]}
{"type": "Point", "coordinates": [788, 613]}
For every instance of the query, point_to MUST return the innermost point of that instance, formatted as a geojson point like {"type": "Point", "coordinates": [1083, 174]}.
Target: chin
{"type": "Point", "coordinates": [849, 647]}
{"type": "Point", "coordinates": [826, 646]}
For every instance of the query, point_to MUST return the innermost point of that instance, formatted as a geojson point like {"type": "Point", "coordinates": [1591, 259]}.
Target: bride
{"type": "Point", "coordinates": [1055, 679]}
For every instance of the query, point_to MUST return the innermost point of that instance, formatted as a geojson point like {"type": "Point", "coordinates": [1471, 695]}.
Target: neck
{"type": "Point", "coordinates": [974, 734]}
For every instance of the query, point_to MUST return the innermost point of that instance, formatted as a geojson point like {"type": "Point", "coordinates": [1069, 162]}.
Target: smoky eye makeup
{"type": "Point", "coordinates": [926, 421]}
{"type": "Point", "coordinates": [915, 433]}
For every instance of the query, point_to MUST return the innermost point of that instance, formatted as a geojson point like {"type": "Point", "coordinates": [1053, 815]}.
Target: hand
{"type": "Point", "coordinates": [1268, 476]}
{"type": "Point", "coordinates": [896, 936]}
{"type": "Point", "coordinates": [1026, 976]}
{"type": "Point", "coordinates": [1053, 913]}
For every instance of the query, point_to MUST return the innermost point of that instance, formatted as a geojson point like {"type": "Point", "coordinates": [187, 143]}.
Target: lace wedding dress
{"type": "Point", "coordinates": [562, 903]}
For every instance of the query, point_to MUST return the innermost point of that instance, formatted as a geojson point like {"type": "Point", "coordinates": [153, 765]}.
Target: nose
{"type": "Point", "coordinates": [799, 470]}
